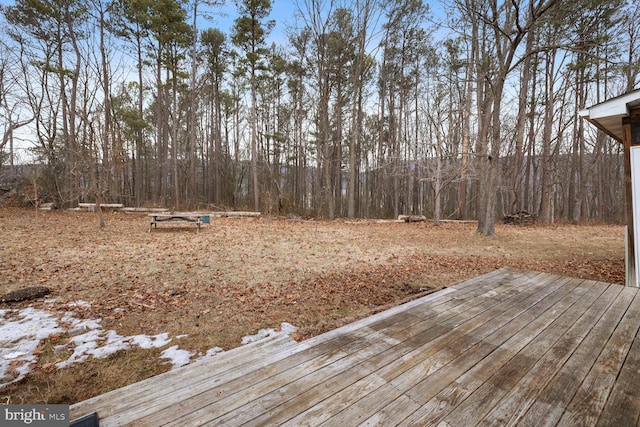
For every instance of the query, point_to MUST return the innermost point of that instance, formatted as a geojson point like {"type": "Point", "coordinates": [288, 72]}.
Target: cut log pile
{"type": "Point", "coordinates": [412, 218]}
{"type": "Point", "coordinates": [520, 218]}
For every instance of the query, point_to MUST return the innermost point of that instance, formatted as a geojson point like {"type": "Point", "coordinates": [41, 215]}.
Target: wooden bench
{"type": "Point", "coordinates": [178, 217]}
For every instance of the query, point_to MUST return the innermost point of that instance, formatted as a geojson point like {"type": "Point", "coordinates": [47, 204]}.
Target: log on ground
{"type": "Point", "coordinates": [412, 218]}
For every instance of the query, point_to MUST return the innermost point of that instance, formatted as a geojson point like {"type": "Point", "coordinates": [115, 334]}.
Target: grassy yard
{"type": "Point", "coordinates": [237, 276]}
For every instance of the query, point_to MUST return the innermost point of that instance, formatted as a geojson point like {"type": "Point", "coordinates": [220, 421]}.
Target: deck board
{"type": "Point", "coordinates": [447, 388]}
{"type": "Point", "coordinates": [449, 338]}
{"type": "Point", "coordinates": [510, 347]}
{"type": "Point", "coordinates": [554, 398]}
{"type": "Point", "coordinates": [526, 391]}
{"type": "Point", "coordinates": [589, 401]}
{"type": "Point", "coordinates": [499, 373]}
{"type": "Point", "coordinates": [623, 405]}
{"type": "Point", "coordinates": [460, 348]}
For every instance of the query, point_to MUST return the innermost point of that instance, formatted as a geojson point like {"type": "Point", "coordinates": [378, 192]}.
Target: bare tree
{"type": "Point", "coordinates": [316, 16]}
{"type": "Point", "coordinates": [11, 111]}
{"type": "Point", "coordinates": [503, 27]}
{"type": "Point", "coordinates": [249, 34]}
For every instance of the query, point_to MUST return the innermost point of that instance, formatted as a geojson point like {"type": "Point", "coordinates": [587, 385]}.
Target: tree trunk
{"type": "Point", "coordinates": [138, 173]}
{"type": "Point", "coordinates": [174, 142]}
{"type": "Point", "coordinates": [545, 184]}
{"type": "Point", "coordinates": [521, 120]}
{"type": "Point", "coordinates": [466, 125]}
{"type": "Point", "coordinates": [193, 105]}
{"type": "Point", "coordinates": [254, 141]}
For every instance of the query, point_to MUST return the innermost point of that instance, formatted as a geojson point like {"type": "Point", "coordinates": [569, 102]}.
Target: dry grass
{"type": "Point", "coordinates": [240, 275]}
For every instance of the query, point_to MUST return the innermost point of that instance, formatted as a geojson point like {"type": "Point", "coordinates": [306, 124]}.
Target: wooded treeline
{"type": "Point", "coordinates": [365, 109]}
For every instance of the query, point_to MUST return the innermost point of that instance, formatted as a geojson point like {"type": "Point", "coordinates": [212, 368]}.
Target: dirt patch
{"type": "Point", "coordinates": [240, 275]}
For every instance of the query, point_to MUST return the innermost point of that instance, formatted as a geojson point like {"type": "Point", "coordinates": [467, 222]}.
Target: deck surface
{"type": "Point", "coordinates": [511, 347]}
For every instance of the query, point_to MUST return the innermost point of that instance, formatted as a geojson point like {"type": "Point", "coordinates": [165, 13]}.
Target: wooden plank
{"type": "Point", "coordinates": [315, 389]}
{"type": "Point", "coordinates": [144, 210]}
{"type": "Point", "coordinates": [407, 338]}
{"type": "Point", "coordinates": [623, 404]}
{"type": "Point", "coordinates": [471, 326]}
{"type": "Point", "coordinates": [462, 351]}
{"type": "Point", "coordinates": [552, 400]}
{"type": "Point", "coordinates": [392, 413]}
{"type": "Point", "coordinates": [386, 336]}
{"type": "Point", "coordinates": [240, 391]}
{"type": "Point", "coordinates": [222, 362]}
{"type": "Point", "coordinates": [468, 319]}
{"type": "Point", "coordinates": [445, 390]}
{"type": "Point", "coordinates": [493, 279]}
{"type": "Point", "coordinates": [509, 410]}
{"type": "Point", "coordinates": [472, 299]}
{"type": "Point", "coordinates": [235, 214]}
{"type": "Point", "coordinates": [409, 368]}
{"type": "Point", "coordinates": [589, 401]}
{"type": "Point", "coordinates": [504, 374]}
{"type": "Point", "coordinates": [433, 329]}
{"type": "Point", "coordinates": [211, 389]}
{"type": "Point", "coordinates": [278, 391]}
{"type": "Point", "coordinates": [375, 318]}
{"type": "Point", "coordinates": [103, 205]}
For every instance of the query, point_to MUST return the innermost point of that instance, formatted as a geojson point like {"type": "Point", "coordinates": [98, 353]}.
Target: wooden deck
{"type": "Point", "coordinates": [508, 348]}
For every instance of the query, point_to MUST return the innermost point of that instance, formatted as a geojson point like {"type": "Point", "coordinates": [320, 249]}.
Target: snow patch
{"type": "Point", "coordinates": [155, 341]}
{"type": "Point", "coordinates": [176, 356]}
{"type": "Point", "coordinates": [285, 329]}
{"type": "Point", "coordinates": [210, 353]}
{"type": "Point", "coordinates": [21, 332]}
{"type": "Point", "coordinates": [86, 345]}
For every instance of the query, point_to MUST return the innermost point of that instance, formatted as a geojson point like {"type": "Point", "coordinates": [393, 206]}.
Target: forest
{"type": "Point", "coordinates": [462, 109]}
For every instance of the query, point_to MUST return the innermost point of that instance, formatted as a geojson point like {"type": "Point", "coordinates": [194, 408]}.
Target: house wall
{"type": "Point", "coordinates": [631, 141]}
